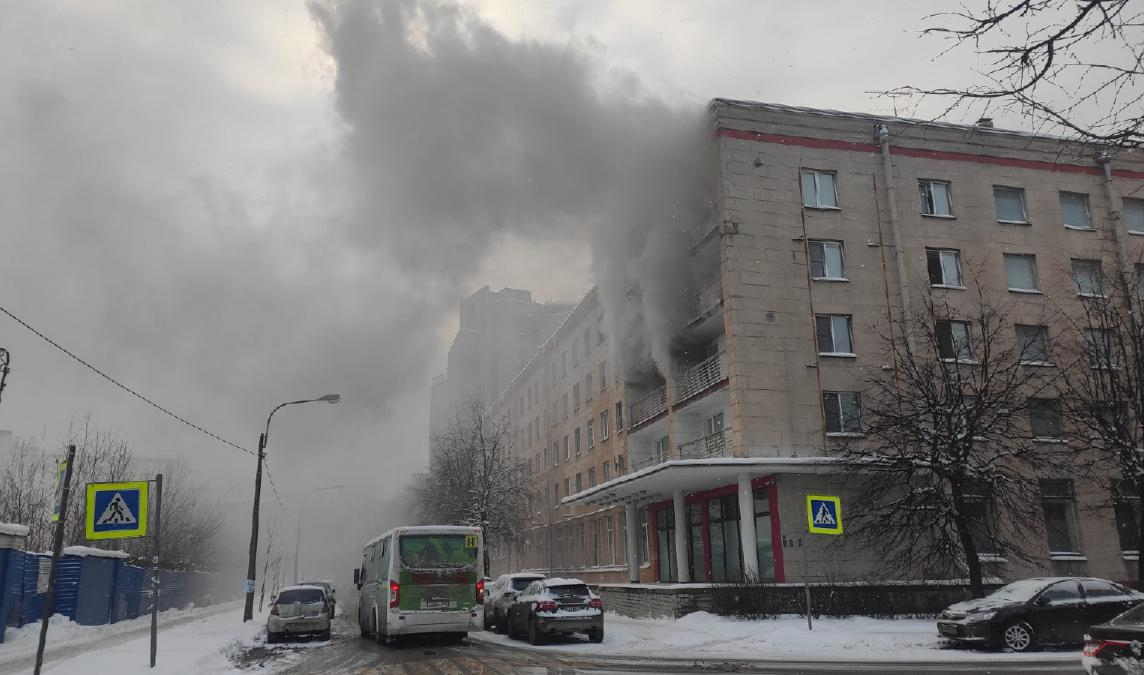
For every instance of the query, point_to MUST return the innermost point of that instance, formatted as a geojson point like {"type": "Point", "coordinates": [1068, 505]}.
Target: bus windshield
{"type": "Point", "coordinates": [438, 551]}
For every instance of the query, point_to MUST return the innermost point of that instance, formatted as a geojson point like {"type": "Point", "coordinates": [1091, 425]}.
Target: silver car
{"type": "Point", "coordinates": [299, 610]}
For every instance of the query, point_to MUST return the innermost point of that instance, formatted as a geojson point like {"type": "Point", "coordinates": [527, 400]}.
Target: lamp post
{"type": "Point", "coordinates": [248, 610]}
{"type": "Point", "coordinates": [301, 514]}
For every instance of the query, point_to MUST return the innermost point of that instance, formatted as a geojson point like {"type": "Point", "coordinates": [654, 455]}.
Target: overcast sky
{"type": "Point", "coordinates": [192, 200]}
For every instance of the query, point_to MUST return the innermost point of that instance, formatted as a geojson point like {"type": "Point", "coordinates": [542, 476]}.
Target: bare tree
{"type": "Point", "coordinates": [1070, 64]}
{"type": "Point", "coordinates": [474, 479]}
{"type": "Point", "coordinates": [1104, 387]}
{"type": "Point", "coordinates": [945, 440]}
{"type": "Point", "coordinates": [26, 479]}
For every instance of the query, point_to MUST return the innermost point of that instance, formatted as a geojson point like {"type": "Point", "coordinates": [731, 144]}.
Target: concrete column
{"type": "Point", "coordinates": [681, 537]}
{"type": "Point", "coordinates": [747, 528]}
{"type": "Point", "coordinates": [633, 524]}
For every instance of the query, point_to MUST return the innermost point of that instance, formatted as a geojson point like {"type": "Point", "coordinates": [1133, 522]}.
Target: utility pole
{"type": "Point", "coordinates": [5, 358]}
{"type": "Point", "coordinates": [57, 547]}
{"type": "Point", "coordinates": [155, 568]}
{"type": "Point", "coordinates": [248, 611]}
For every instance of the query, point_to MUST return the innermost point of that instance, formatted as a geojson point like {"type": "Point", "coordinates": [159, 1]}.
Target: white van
{"type": "Point", "coordinates": [423, 579]}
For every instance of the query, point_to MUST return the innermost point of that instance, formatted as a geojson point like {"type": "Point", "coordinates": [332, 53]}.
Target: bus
{"type": "Point", "coordinates": [419, 580]}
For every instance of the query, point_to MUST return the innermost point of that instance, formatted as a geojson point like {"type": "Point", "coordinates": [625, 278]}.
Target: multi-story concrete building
{"type": "Point", "coordinates": [499, 331]}
{"type": "Point", "coordinates": [827, 224]}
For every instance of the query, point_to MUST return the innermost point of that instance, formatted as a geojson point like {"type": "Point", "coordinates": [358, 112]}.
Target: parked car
{"type": "Point", "coordinates": [299, 610]}
{"type": "Point", "coordinates": [1031, 613]}
{"type": "Point", "coordinates": [328, 587]}
{"type": "Point", "coordinates": [556, 607]}
{"type": "Point", "coordinates": [500, 594]}
{"type": "Point", "coordinates": [1116, 647]}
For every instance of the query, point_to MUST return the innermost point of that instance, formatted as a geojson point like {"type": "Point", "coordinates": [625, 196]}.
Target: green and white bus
{"type": "Point", "coordinates": [424, 579]}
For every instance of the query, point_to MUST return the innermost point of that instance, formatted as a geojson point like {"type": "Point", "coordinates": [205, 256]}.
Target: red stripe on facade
{"type": "Point", "coordinates": [827, 144]}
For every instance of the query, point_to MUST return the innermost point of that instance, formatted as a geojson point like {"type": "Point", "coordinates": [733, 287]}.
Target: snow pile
{"type": "Point", "coordinates": [14, 530]}
{"type": "Point", "coordinates": [87, 551]}
{"type": "Point", "coordinates": [704, 635]}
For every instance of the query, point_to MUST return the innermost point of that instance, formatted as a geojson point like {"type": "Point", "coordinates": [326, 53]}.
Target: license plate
{"type": "Point", "coordinates": [439, 604]}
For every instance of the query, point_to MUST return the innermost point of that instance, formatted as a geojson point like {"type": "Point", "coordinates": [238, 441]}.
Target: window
{"type": "Point", "coordinates": [576, 352]}
{"type": "Point", "coordinates": [662, 449]}
{"type": "Point", "coordinates": [567, 446]}
{"type": "Point", "coordinates": [564, 401]}
{"type": "Point", "coordinates": [1126, 503]}
{"type": "Point", "coordinates": [576, 396]}
{"type": "Point", "coordinates": [606, 467]}
{"type": "Point", "coordinates": [1062, 593]}
{"type": "Point", "coordinates": [610, 541]}
{"type": "Point", "coordinates": [564, 361]}
{"type": "Point", "coordinates": [1100, 344]}
{"type": "Point", "coordinates": [1074, 211]}
{"type": "Point", "coordinates": [595, 561]}
{"type": "Point", "coordinates": [579, 482]}
{"type": "Point", "coordinates": [591, 431]}
{"type": "Point", "coordinates": [621, 465]}
{"type": "Point", "coordinates": [953, 341]}
{"type": "Point", "coordinates": [833, 333]}
{"type": "Point", "coordinates": [1134, 215]}
{"type": "Point", "coordinates": [600, 330]}
{"type": "Point", "coordinates": [604, 426]}
{"type": "Point", "coordinates": [826, 260]}
{"type": "Point", "coordinates": [1033, 345]}
{"type": "Point", "coordinates": [1021, 272]}
{"type": "Point", "coordinates": [556, 453]}
{"type": "Point", "coordinates": [592, 477]}
{"type": "Point", "coordinates": [944, 267]}
{"type": "Point", "coordinates": [587, 342]}
{"type": "Point", "coordinates": [818, 189]}
{"type": "Point", "coordinates": [1010, 203]}
{"type": "Point", "coordinates": [1060, 515]}
{"type": "Point", "coordinates": [934, 197]}
{"type": "Point", "coordinates": [567, 487]}
{"type": "Point", "coordinates": [619, 416]}
{"type": "Point", "coordinates": [588, 387]}
{"type": "Point", "coordinates": [842, 412]}
{"type": "Point", "coordinates": [603, 376]}
{"type": "Point", "coordinates": [1045, 417]}
{"type": "Point", "coordinates": [1089, 278]}
{"type": "Point", "coordinates": [642, 536]}
{"type": "Point", "coordinates": [977, 505]}
{"type": "Point", "coordinates": [576, 436]}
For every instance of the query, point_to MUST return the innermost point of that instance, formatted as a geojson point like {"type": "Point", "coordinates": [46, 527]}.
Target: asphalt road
{"type": "Point", "coordinates": [348, 653]}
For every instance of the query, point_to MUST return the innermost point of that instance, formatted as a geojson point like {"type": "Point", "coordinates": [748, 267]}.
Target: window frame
{"type": "Point", "coordinates": [1067, 500]}
{"type": "Point", "coordinates": [826, 275]}
{"type": "Point", "coordinates": [815, 173]}
{"type": "Point", "coordinates": [1097, 266]}
{"type": "Point", "coordinates": [1020, 192]}
{"type": "Point", "coordinates": [941, 254]}
{"type": "Point", "coordinates": [1087, 210]}
{"type": "Point", "coordinates": [955, 357]}
{"type": "Point", "coordinates": [833, 352]}
{"type": "Point", "coordinates": [1021, 346]}
{"type": "Point", "coordinates": [1031, 259]}
{"type": "Point", "coordinates": [925, 195]}
{"type": "Point", "coordinates": [590, 432]}
{"type": "Point", "coordinates": [1136, 205]}
{"type": "Point", "coordinates": [1050, 404]}
{"type": "Point", "coordinates": [842, 431]}
{"type": "Point", "coordinates": [604, 424]}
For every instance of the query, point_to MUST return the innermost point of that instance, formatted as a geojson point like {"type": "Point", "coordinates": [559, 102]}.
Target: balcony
{"type": "Point", "coordinates": [712, 445]}
{"type": "Point", "coordinates": [705, 302]}
{"type": "Point", "coordinates": [698, 378]}
{"type": "Point", "coordinates": [649, 406]}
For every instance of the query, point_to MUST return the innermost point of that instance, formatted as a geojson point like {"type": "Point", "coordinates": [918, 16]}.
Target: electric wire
{"type": "Point", "coordinates": [124, 387]}
{"type": "Point", "coordinates": [270, 479]}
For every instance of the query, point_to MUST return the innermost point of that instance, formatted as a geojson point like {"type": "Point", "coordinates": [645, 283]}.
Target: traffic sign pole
{"type": "Point", "coordinates": [57, 547]}
{"type": "Point", "coordinates": [155, 568]}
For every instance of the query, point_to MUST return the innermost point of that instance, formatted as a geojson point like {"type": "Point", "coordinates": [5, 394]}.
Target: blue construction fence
{"type": "Point", "coordinates": [93, 589]}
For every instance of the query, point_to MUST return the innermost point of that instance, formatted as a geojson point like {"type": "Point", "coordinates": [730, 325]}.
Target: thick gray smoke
{"type": "Point", "coordinates": [457, 133]}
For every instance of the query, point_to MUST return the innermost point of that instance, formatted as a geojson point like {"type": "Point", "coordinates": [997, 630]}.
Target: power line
{"type": "Point", "coordinates": [122, 386]}
{"type": "Point", "coordinates": [266, 468]}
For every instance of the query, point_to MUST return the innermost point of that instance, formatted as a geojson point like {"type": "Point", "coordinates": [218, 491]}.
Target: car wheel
{"type": "Point", "coordinates": [273, 638]}
{"type": "Point", "coordinates": [534, 636]}
{"type": "Point", "coordinates": [596, 635]}
{"type": "Point", "coordinates": [490, 624]}
{"type": "Point", "coordinates": [324, 635]}
{"type": "Point", "coordinates": [501, 624]}
{"type": "Point", "coordinates": [1019, 636]}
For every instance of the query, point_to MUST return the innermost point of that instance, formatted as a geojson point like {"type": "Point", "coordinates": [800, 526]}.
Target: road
{"type": "Point", "coordinates": [348, 653]}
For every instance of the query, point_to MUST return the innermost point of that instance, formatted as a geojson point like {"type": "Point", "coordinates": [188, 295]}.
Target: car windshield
{"type": "Point", "coordinates": [438, 551]}
{"type": "Point", "coordinates": [1019, 591]}
{"type": "Point", "coordinates": [303, 595]}
{"type": "Point", "coordinates": [1133, 617]}
{"type": "Point", "coordinates": [521, 584]}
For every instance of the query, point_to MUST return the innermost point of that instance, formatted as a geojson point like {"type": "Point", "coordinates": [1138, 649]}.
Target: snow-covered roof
{"type": "Point", "coordinates": [562, 581]}
{"type": "Point", "coordinates": [299, 587]}
{"type": "Point", "coordinates": [523, 575]}
{"type": "Point", "coordinates": [89, 552]}
{"type": "Point", "coordinates": [14, 530]}
{"type": "Point", "coordinates": [426, 529]}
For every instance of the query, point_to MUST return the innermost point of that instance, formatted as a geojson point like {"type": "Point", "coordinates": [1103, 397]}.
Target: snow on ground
{"type": "Point", "coordinates": [702, 635]}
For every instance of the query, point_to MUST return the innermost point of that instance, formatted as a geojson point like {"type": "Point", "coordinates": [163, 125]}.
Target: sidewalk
{"type": "Point", "coordinates": [705, 637]}
{"type": "Point", "coordinates": [124, 647]}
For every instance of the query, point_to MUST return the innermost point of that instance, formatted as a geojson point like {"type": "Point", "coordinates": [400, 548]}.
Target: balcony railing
{"type": "Point", "coordinates": [711, 445]}
{"type": "Point", "coordinates": [649, 406]}
{"type": "Point", "coordinates": [707, 299]}
{"type": "Point", "coordinates": [708, 372]}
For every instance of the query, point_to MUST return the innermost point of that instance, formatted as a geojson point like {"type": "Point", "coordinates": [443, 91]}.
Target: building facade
{"type": "Point", "coordinates": [827, 224]}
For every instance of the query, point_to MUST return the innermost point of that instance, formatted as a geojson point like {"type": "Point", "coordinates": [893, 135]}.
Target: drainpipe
{"type": "Point", "coordinates": [882, 133]}
{"type": "Point", "coordinates": [1114, 217]}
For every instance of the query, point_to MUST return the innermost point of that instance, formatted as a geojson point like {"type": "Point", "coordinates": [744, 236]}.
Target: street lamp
{"type": "Point", "coordinates": [248, 610]}
{"type": "Point", "coordinates": [301, 514]}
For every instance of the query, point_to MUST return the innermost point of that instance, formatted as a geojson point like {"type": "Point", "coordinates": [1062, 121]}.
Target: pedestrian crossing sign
{"type": "Point", "coordinates": [116, 510]}
{"type": "Point", "coordinates": [824, 514]}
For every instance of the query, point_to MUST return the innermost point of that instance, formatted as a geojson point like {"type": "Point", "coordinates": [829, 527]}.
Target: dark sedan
{"type": "Point", "coordinates": [1031, 613]}
{"type": "Point", "coordinates": [556, 607]}
{"type": "Point", "coordinates": [1116, 647]}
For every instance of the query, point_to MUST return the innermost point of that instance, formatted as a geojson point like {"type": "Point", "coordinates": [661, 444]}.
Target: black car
{"type": "Point", "coordinates": [1030, 613]}
{"type": "Point", "coordinates": [1116, 647]}
{"type": "Point", "coordinates": [556, 607]}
